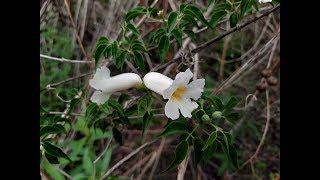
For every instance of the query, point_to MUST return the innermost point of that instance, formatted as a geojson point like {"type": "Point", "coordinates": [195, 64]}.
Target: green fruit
{"type": "Point", "coordinates": [205, 118]}
{"type": "Point", "coordinates": [217, 115]}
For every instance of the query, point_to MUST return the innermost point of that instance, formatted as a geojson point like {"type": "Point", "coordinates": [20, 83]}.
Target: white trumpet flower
{"type": "Point", "coordinates": [178, 91]}
{"type": "Point", "coordinates": [264, 1]}
{"type": "Point", "coordinates": [157, 82]}
{"type": "Point", "coordinates": [106, 85]}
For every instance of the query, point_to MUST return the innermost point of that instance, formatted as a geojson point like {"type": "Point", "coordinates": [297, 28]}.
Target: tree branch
{"type": "Point", "coordinates": [127, 158]}
{"type": "Point", "coordinates": [65, 60]}
{"type": "Point", "coordinates": [234, 29]}
{"type": "Point", "coordinates": [264, 132]}
{"type": "Point", "coordinates": [243, 67]}
{"type": "Point", "coordinates": [210, 42]}
{"type": "Point", "coordinates": [75, 28]}
{"type": "Point", "coordinates": [64, 81]}
{"type": "Point", "coordinates": [99, 157]}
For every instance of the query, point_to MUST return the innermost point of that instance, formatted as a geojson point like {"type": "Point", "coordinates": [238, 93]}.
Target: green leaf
{"type": "Point", "coordinates": [233, 156]}
{"type": "Point", "coordinates": [216, 17]}
{"type": "Point", "coordinates": [114, 49]}
{"type": "Point", "coordinates": [180, 154]}
{"type": "Point", "coordinates": [153, 11]}
{"type": "Point", "coordinates": [123, 97]}
{"type": "Point", "coordinates": [121, 58]}
{"type": "Point", "coordinates": [215, 101]}
{"type": "Point", "coordinates": [103, 40]}
{"type": "Point", "coordinates": [91, 109]}
{"type": "Point", "coordinates": [139, 60]}
{"type": "Point", "coordinates": [197, 13]}
{"type": "Point", "coordinates": [134, 13]}
{"type": "Point", "coordinates": [138, 47]}
{"type": "Point", "coordinates": [232, 102]}
{"type": "Point", "coordinates": [210, 140]}
{"type": "Point", "coordinates": [174, 127]}
{"type": "Point", "coordinates": [133, 29]}
{"type": "Point", "coordinates": [87, 162]}
{"type": "Point", "coordinates": [190, 33]}
{"type": "Point", "coordinates": [54, 150]}
{"type": "Point", "coordinates": [223, 6]}
{"type": "Point", "coordinates": [158, 34]}
{"type": "Point", "coordinates": [116, 106]}
{"type": "Point", "coordinates": [234, 116]}
{"type": "Point", "coordinates": [103, 164]}
{"type": "Point", "coordinates": [181, 7]}
{"type": "Point", "coordinates": [177, 34]}
{"type": "Point", "coordinates": [146, 120]}
{"type": "Point", "coordinates": [189, 19]}
{"type": "Point", "coordinates": [172, 19]}
{"type": "Point", "coordinates": [144, 103]}
{"type": "Point", "coordinates": [209, 152]}
{"type": "Point", "coordinates": [56, 128]}
{"type": "Point", "coordinates": [117, 135]}
{"type": "Point", "coordinates": [234, 18]}
{"type": "Point", "coordinates": [61, 119]}
{"type": "Point", "coordinates": [42, 110]}
{"type": "Point", "coordinates": [275, 2]}
{"type": "Point", "coordinates": [211, 2]}
{"type": "Point", "coordinates": [163, 46]}
{"type": "Point", "coordinates": [100, 48]}
{"type": "Point", "coordinates": [225, 141]}
{"type": "Point", "coordinates": [107, 51]}
{"type": "Point", "coordinates": [52, 171]}
{"type": "Point", "coordinates": [245, 5]}
{"type": "Point", "coordinates": [132, 110]}
{"type": "Point", "coordinates": [197, 146]}
{"type": "Point", "coordinates": [51, 159]}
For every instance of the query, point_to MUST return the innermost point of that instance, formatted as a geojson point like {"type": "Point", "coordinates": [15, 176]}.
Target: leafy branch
{"type": "Point", "coordinates": [210, 42]}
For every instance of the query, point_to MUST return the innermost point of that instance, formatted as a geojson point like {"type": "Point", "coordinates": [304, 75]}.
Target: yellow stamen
{"type": "Point", "coordinates": [177, 95]}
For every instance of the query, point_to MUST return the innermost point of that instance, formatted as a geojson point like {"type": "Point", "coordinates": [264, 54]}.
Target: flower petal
{"type": "Point", "coordinates": [100, 97]}
{"type": "Point", "coordinates": [116, 83]}
{"type": "Point", "coordinates": [195, 89]}
{"type": "Point", "coordinates": [186, 106]}
{"type": "Point", "coordinates": [186, 76]}
{"type": "Point", "coordinates": [171, 110]}
{"type": "Point", "coordinates": [157, 82]}
{"type": "Point", "coordinates": [102, 73]}
{"type": "Point", "coordinates": [174, 86]}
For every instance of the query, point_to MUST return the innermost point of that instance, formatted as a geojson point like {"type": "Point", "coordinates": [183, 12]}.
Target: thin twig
{"type": "Point", "coordinates": [182, 167]}
{"type": "Point", "coordinates": [162, 143]}
{"type": "Point", "coordinates": [99, 157]}
{"type": "Point", "coordinates": [206, 28]}
{"type": "Point", "coordinates": [237, 72]}
{"type": "Point", "coordinates": [136, 165]}
{"type": "Point", "coordinates": [64, 173]}
{"type": "Point", "coordinates": [64, 81]}
{"type": "Point", "coordinates": [131, 66]}
{"type": "Point", "coordinates": [264, 132]}
{"type": "Point", "coordinates": [148, 165]}
{"type": "Point", "coordinates": [126, 158]}
{"type": "Point", "coordinates": [65, 60]}
{"type": "Point", "coordinates": [143, 18]}
{"type": "Point", "coordinates": [224, 54]}
{"type": "Point", "coordinates": [234, 29]}
{"type": "Point", "coordinates": [75, 29]}
{"type": "Point", "coordinates": [255, 44]}
{"type": "Point", "coordinates": [210, 42]}
{"type": "Point", "coordinates": [272, 52]}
